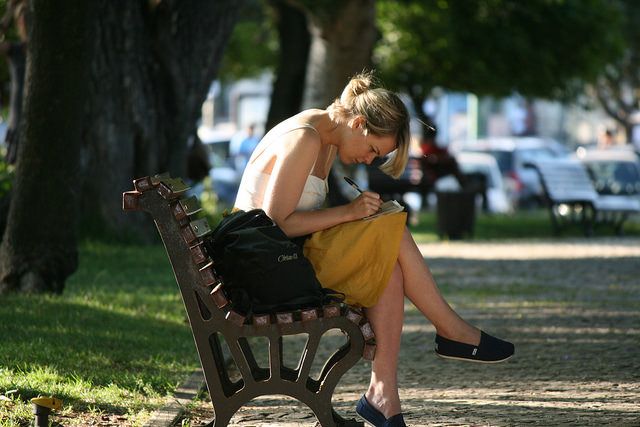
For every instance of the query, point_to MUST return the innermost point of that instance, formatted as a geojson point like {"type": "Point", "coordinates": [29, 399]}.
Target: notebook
{"type": "Point", "coordinates": [388, 207]}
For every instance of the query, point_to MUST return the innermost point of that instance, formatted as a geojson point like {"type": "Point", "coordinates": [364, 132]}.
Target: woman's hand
{"type": "Point", "coordinates": [364, 205]}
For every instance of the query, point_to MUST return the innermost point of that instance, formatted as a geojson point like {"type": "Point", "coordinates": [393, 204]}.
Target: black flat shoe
{"type": "Point", "coordinates": [375, 417]}
{"type": "Point", "coordinates": [490, 349]}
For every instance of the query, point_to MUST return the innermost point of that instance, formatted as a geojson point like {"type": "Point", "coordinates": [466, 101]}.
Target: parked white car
{"type": "Point", "coordinates": [512, 154]}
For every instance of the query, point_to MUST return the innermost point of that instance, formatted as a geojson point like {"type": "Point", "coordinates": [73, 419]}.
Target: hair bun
{"type": "Point", "coordinates": [358, 84]}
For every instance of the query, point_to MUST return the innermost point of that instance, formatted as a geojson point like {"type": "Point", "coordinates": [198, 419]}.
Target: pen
{"type": "Point", "coordinates": [352, 183]}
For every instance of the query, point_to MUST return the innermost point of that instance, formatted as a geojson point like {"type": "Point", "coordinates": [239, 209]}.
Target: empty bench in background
{"type": "Point", "coordinates": [571, 197]}
{"type": "Point", "coordinates": [212, 318]}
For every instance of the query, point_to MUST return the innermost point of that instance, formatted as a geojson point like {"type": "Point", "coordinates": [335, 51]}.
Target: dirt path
{"type": "Point", "coordinates": [571, 306]}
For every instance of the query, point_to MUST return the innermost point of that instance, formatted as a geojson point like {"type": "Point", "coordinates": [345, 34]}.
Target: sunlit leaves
{"type": "Point", "coordinates": [493, 47]}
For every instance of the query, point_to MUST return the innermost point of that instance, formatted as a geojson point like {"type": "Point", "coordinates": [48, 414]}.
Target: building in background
{"type": "Point", "coordinates": [461, 116]}
{"type": "Point", "coordinates": [458, 116]}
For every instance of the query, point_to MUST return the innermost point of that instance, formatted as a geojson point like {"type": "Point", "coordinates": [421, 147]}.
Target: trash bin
{"type": "Point", "coordinates": [456, 214]}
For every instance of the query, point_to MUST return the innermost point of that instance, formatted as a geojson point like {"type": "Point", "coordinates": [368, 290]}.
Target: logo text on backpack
{"type": "Point", "coordinates": [283, 258]}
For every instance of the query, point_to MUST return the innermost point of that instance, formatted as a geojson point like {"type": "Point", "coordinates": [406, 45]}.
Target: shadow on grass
{"type": "Point", "coordinates": [116, 338]}
{"type": "Point", "coordinates": [56, 341]}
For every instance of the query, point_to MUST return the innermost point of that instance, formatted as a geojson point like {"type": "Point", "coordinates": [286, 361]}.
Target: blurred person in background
{"type": "Point", "coordinates": [241, 147]}
{"type": "Point", "coordinates": [437, 161]}
{"type": "Point", "coordinates": [608, 139]}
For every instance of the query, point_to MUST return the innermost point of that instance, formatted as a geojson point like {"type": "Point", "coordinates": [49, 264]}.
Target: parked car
{"type": "Point", "coordinates": [613, 171]}
{"type": "Point", "coordinates": [511, 154]}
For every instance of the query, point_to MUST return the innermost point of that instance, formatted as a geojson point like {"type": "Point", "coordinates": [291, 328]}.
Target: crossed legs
{"type": "Point", "coordinates": [411, 278]}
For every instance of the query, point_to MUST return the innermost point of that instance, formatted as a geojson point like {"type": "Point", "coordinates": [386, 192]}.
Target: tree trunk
{"type": "Point", "coordinates": [342, 38]}
{"type": "Point", "coordinates": [295, 40]}
{"type": "Point", "coordinates": [141, 84]}
{"type": "Point", "coordinates": [38, 250]}
{"type": "Point", "coordinates": [343, 34]}
{"type": "Point", "coordinates": [150, 75]}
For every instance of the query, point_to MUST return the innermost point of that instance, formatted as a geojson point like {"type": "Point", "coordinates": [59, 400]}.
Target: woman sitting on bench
{"type": "Point", "coordinates": [375, 263]}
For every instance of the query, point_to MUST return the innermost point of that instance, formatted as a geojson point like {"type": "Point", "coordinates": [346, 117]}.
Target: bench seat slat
{"type": "Point", "coordinates": [200, 227]}
{"type": "Point", "coordinates": [198, 254]}
{"type": "Point", "coordinates": [617, 203]}
{"type": "Point", "coordinates": [190, 206]}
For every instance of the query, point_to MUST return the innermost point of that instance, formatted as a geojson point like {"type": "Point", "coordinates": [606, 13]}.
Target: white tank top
{"type": "Point", "coordinates": [254, 184]}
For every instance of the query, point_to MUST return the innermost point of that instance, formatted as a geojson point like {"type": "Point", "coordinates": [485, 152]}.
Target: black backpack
{"type": "Point", "coordinates": [263, 271]}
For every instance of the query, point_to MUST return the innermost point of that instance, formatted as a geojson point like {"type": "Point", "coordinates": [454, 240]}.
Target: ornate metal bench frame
{"type": "Point", "coordinates": [211, 317]}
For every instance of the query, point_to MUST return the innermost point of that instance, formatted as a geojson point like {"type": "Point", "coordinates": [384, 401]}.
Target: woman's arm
{"type": "Point", "coordinates": [294, 160]}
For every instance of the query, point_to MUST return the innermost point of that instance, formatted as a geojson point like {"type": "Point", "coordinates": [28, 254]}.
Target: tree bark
{"type": "Point", "coordinates": [342, 38]}
{"type": "Point", "coordinates": [102, 109]}
{"type": "Point", "coordinates": [38, 250]}
{"type": "Point", "coordinates": [343, 34]}
{"type": "Point", "coordinates": [288, 88]}
{"type": "Point", "coordinates": [153, 67]}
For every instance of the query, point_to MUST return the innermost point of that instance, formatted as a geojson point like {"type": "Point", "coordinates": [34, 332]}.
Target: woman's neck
{"type": "Point", "coordinates": [330, 129]}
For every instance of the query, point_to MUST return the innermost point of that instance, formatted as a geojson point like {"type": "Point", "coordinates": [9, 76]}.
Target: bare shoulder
{"type": "Point", "coordinates": [302, 144]}
{"type": "Point", "coordinates": [288, 143]}
{"type": "Point", "coordinates": [302, 135]}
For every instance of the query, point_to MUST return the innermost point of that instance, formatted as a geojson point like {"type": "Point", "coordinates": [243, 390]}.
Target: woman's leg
{"type": "Point", "coordinates": [410, 277]}
{"type": "Point", "coordinates": [423, 292]}
{"type": "Point", "coordinates": [386, 319]}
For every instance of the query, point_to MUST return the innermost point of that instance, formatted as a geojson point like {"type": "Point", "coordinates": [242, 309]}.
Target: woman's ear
{"type": "Point", "coordinates": [358, 122]}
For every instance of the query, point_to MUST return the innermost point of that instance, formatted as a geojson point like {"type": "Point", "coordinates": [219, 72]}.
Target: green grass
{"type": "Point", "coordinates": [115, 342]}
{"type": "Point", "coordinates": [534, 224]}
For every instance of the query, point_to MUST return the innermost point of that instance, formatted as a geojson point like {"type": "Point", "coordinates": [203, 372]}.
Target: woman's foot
{"type": "Point", "coordinates": [489, 350]}
{"type": "Point", "coordinates": [376, 418]}
{"type": "Point", "coordinates": [461, 332]}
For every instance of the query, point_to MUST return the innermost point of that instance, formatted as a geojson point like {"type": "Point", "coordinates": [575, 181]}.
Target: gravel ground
{"type": "Point", "coordinates": [572, 307]}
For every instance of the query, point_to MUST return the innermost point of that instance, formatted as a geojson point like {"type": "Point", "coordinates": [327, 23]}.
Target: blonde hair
{"type": "Point", "coordinates": [384, 112]}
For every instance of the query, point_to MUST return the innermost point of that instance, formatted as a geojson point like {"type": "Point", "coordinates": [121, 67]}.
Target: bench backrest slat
{"type": "Point", "coordinates": [566, 181]}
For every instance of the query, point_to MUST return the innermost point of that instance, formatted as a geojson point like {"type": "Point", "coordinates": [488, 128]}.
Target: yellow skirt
{"type": "Point", "coordinates": [357, 258]}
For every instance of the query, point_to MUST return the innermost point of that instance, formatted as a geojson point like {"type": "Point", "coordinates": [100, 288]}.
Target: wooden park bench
{"type": "Point", "coordinates": [572, 198]}
{"type": "Point", "coordinates": [214, 323]}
